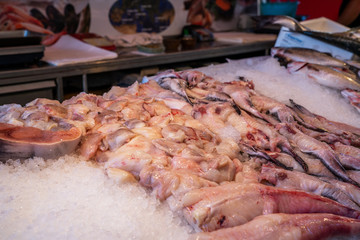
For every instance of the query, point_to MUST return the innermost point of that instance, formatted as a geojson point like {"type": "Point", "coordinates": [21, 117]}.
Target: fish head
{"type": "Point", "coordinates": [293, 67]}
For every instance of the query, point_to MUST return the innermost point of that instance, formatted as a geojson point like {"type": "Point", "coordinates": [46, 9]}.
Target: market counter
{"type": "Point", "coordinates": [42, 73]}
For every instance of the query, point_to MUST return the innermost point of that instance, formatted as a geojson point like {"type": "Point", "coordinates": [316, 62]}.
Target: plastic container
{"type": "Point", "coordinates": [279, 8]}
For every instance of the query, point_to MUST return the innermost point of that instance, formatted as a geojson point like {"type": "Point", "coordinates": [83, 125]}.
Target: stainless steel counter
{"type": "Point", "coordinates": [125, 60]}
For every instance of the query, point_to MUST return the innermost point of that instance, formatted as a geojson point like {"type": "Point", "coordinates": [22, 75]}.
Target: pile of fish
{"type": "Point", "coordinates": [235, 164]}
{"type": "Point", "coordinates": [322, 68]}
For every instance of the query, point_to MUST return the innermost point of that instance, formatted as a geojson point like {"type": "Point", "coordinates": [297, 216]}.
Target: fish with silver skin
{"type": "Point", "coordinates": [326, 76]}
{"type": "Point", "coordinates": [341, 40]}
{"type": "Point", "coordinates": [300, 181]}
{"type": "Point", "coordinates": [307, 55]}
{"type": "Point", "coordinates": [285, 21]}
{"type": "Point", "coordinates": [353, 97]}
{"type": "Point", "coordinates": [321, 150]}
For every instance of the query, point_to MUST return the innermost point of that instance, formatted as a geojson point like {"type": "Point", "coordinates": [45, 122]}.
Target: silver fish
{"type": "Point", "coordinates": [347, 43]}
{"type": "Point", "coordinates": [353, 97]}
{"type": "Point", "coordinates": [319, 149]}
{"type": "Point", "coordinates": [341, 40]}
{"type": "Point", "coordinates": [326, 76]}
{"type": "Point", "coordinates": [306, 55]}
{"type": "Point", "coordinates": [176, 85]}
{"type": "Point", "coordinates": [301, 181]}
{"type": "Point", "coordinates": [285, 21]}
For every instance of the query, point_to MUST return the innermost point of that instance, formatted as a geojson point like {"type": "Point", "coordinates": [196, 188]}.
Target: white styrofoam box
{"type": "Point", "coordinates": [324, 24]}
{"type": "Point", "coordinates": [287, 38]}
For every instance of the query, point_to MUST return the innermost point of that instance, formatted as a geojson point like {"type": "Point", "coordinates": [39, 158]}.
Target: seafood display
{"type": "Point", "coordinates": [322, 68]}
{"type": "Point", "coordinates": [229, 160]}
{"type": "Point", "coordinates": [46, 18]}
{"type": "Point", "coordinates": [348, 40]}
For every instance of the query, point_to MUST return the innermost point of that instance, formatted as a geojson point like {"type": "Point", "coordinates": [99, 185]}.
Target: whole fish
{"type": "Point", "coordinates": [233, 204]}
{"type": "Point", "coordinates": [285, 21]}
{"type": "Point", "coordinates": [307, 55]}
{"type": "Point", "coordinates": [341, 40]}
{"type": "Point", "coordinates": [353, 97]}
{"type": "Point", "coordinates": [301, 181]}
{"type": "Point", "coordinates": [347, 43]}
{"type": "Point", "coordinates": [176, 85]}
{"type": "Point", "coordinates": [288, 226]}
{"type": "Point", "coordinates": [319, 149]}
{"type": "Point", "coordinates": [326, 76]}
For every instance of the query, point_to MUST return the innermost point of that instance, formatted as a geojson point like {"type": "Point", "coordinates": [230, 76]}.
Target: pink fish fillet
{"type": "Point", "coordinates": [234, 204]}
{"type": "Point", "coordinates": [314, 226]}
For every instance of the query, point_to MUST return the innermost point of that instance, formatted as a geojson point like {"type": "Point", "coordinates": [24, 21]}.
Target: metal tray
{"type": "Point", "coordinates": [19, 38]}
{"type": "Point", "coordinates": [21, 54]}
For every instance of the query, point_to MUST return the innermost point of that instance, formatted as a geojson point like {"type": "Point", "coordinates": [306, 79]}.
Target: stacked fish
{"type": "Point", "coordinates": [232, 162]}
{"type": "Point", "coordinates": [324, 69]}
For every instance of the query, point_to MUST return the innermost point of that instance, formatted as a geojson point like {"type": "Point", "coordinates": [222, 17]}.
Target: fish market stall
{"type": "Point", "coordinates": [209, 153]}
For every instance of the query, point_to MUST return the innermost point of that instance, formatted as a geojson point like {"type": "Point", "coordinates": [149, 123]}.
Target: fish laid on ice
{"type": "Point", "coordinates": [175, 84]}
{"type": "Point", "coordinates": [326, 76]}
{"type": "Point", "coordinates": [353, 97]}
{"type": "Point", "coordinates": [321, 150]}
{"type": "Point", "coordinates": [306, 55]}
{"type": "Point", "coordinates": [341, 40]}
{"type": "Point", "coordinates": [26, 142]}
{"type": "Point", "coordinates": [300, 181]}
{"type": "Point", "coordinates": [288, 227]}
{"type": "Point", "coordinates": [285, 21]}
{"type": "Point", "coordinates": [346, 131]}
{"type": "Point", "coordinates": [347, 43]}
{"type": "Point", "coordinates": [233, 204]}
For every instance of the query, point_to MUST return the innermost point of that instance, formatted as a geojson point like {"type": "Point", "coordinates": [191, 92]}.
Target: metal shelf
{"type": "Point", "coordinates": [126, 60]}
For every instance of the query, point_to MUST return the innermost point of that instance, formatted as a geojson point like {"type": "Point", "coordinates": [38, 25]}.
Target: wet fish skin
{"type": "Point", "coordinates": [233, 204]}
{"type": "Point", "coordinates": [286, 21]}
{"type": "Point", "coordinates": [319, 149]}
{"type": "Point", "coordinates": [288, 226]}
{"type": "Point", "coordinates": [344, 42]}
{"type": "Point", "coordinates": [347, 131]}
{"type": "Point", "coordinates": [340, 40]}
{"type": "Point", "coordinates": [176, 85]}
{"type": "Point", "coordinates": [326, 76]}
{"type": "Point", "coordinates": [295, 54]}
{"type": "Point", "coordinates": [251, 151]}
{"type": "Point", "coordinates": [300, 181]}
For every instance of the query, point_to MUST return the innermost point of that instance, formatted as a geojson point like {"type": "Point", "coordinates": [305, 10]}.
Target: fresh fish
{"type": "Point", "coordinates": [193, 77]}
{"type": "Point", "coordinates": [353, 97]}
{"type": "Point", "coordinates": [347, 43]}
{"type": "Point", "coordinates": [233, 204]}
{"type": "Point", "coordinates": [344, 130]}
{"type": "Point", "coordinates": [349, 156]}
{"type": "Point", "coordinates": [26, 142]}
{"type": "Point", "coordinates": [352, 191]}
{"type": "Point", "coordinates": [326, 76]}
{"type": "Point", "coordinates": [288, 226]}
{"type": "Point", "coordinates": [288, 161]}
{"type": "Point", "coordinates": [251, 151]}
{"type": "Point", "coordinates": [351, 33]}
{"type": "Point", "coordinates": [167, 182]}
{"type": "Point", "coordinates": [340, 40]}
{"type": "Point", "coordinates": [275, 139]}
{"type": "Point", "coordinates": [241, 93]}
{"type": "Point", "coordinates": [316, 167]}
{"type": "Point", "coordinates": [321, 150]}
{"type": "Point", "coordinates": [285, 21]}
{"type": "Point", "coordinates": [170, 73]}
{"type": "Point", "coordinates": [176, 85]}
{"type": "Point", "coordinates": [301, 181]}
{"type": "Point", "coordinates": [306, 55]}
{"type": "Point", "coordinates": [118, 138]}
